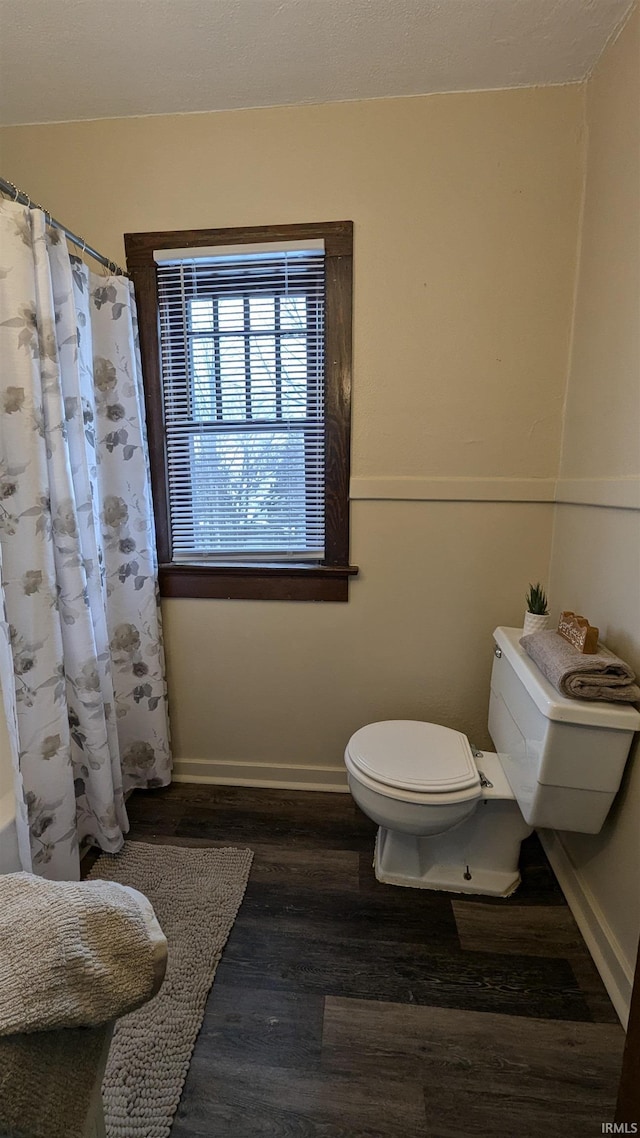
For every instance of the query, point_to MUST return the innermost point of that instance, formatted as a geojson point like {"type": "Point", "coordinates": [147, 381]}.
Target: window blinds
{"type": "Point", "coordinates": [242, 354]}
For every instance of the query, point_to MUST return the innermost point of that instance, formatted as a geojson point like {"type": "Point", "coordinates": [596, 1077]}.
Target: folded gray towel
{"type": "Point", "coordinates": [602, 676]}
{"type": "Point", "coordinates": [73, 953]}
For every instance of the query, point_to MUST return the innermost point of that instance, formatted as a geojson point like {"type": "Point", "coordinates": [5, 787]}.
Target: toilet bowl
{"type": "Point", "coordinates": [451, 817]}
{"type": "Point", "coordinates": [418, 778]}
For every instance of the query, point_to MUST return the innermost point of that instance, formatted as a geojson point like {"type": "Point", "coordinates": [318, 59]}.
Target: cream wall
{"type": "Point", "coordinates": [411, 643]}
{"type": "Point", "coordinates": [595, 566]}
{"type": "Point", "coordinates": [465, 230]}
{"type": "Point", "coordinates": [465, 210]}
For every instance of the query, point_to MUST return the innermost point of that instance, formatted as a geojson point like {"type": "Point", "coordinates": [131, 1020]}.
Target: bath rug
{"type": "Point", "coordinates": [196, 894]}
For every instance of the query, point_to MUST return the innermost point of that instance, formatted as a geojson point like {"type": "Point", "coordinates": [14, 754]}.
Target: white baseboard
{"type": "Point", "coordinates": [281, 776]}
{"type": "Point", "coordinates": [616, 971]}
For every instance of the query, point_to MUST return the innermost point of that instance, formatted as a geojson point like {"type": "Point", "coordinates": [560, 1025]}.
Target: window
{"type": "Point", "coordinates": [246, 344]}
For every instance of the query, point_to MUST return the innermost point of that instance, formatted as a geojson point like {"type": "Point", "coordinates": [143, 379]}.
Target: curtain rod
{"type": "Point", "coordinates": [24, 199]}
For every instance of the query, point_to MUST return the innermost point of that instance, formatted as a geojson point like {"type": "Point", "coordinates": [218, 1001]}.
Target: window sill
{"type": "Point", "coordinates": [257, 582]}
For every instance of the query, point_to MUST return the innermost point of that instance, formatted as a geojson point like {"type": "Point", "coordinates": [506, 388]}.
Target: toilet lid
{"type": "Point", "coordinates": [414, 756]}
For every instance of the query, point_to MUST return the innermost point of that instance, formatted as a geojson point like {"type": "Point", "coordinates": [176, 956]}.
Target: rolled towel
{"type": "Point", "coordinates": [601, 676]}
{"type": "Point", "coordinates": [74, 953]}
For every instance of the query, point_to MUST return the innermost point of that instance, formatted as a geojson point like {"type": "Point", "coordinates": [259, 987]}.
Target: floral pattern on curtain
{"type": "Point", "coordinates": [13, 805]}
{"type": "Point", "coordinates": [76, 529]}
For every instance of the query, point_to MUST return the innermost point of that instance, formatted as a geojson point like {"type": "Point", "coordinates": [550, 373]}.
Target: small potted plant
{"type": "Point", "coordinates": [536, 618]}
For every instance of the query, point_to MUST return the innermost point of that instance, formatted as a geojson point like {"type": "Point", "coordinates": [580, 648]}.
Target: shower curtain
{"type": "Point", "coordinates": [78, 577]}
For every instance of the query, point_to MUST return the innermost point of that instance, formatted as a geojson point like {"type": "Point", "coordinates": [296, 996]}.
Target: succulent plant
{"type": "Point", "coordinates": [537, 600]}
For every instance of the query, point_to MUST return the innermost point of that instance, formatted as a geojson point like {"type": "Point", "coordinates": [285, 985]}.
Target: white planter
{"type": "Point", "coordinates": [534, 622]}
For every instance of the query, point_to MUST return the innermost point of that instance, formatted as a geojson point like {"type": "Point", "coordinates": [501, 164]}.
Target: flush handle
{"type": "Point", "coordinates": [497, 652]}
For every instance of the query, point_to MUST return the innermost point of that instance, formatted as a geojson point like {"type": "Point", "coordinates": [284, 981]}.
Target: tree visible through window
{"type": "Point", "coordinates": [252, 419]}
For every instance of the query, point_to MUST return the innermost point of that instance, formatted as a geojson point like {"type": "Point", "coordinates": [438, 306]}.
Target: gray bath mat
{"type": "Point", "coordinates": [196, 894]}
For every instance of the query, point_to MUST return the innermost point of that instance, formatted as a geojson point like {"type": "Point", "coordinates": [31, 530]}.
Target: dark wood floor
{"type": "Point", "coordinates": [343, 1008]}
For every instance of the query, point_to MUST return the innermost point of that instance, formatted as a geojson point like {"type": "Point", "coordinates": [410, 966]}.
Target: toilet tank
{"type": "Point", "coordinates": [563, 758]}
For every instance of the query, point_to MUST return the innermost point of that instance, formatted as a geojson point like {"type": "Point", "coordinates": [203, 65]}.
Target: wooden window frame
{"type": "Point", "coordinates": [328, 581]}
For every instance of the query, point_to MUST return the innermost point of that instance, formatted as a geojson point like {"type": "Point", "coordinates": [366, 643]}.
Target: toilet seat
{"type": "Point", "coordinates": [414, 761]}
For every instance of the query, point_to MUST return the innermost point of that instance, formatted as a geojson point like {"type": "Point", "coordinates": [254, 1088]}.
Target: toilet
{"type": "Point", "coordinates": [453, 817]}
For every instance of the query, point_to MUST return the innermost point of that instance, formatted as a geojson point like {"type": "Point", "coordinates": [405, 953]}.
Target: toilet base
{"type": "Point", "coordinates": [479, 856]}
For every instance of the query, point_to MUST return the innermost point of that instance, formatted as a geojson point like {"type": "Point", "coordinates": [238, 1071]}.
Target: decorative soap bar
{"type": "Point", "coordinates": [577, 630]}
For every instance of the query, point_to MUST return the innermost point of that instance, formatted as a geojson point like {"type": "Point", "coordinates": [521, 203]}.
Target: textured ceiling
{"type": "Point", "coordinates": [82, 59]}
